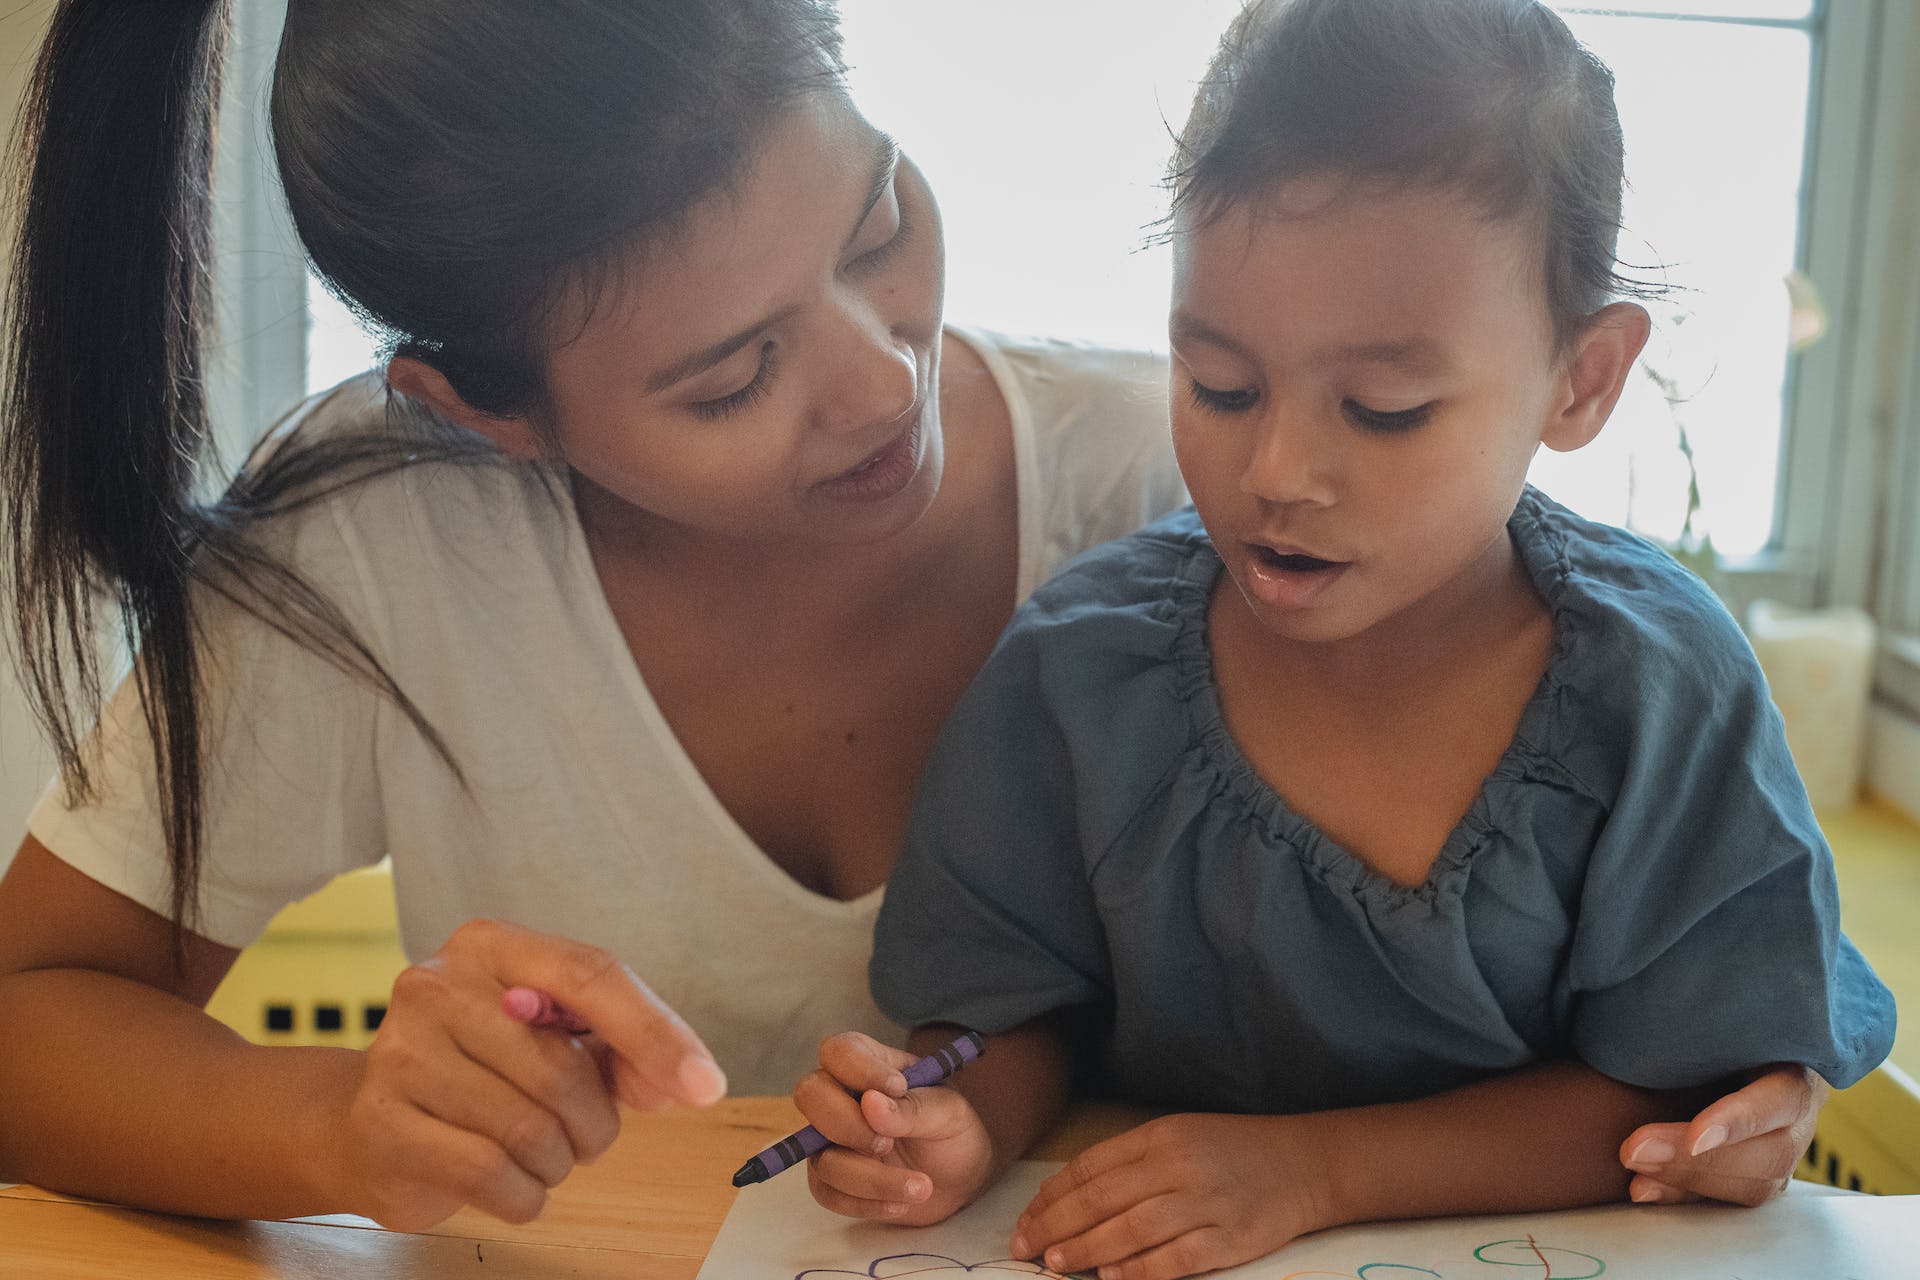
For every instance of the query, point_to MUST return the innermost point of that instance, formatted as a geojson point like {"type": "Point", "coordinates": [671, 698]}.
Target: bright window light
{"type": "Point", "coordinates": [1045, 126]}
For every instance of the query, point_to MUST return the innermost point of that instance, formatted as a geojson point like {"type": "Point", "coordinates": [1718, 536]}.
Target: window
{"type": "Point", "coordinates": [1045, 126]}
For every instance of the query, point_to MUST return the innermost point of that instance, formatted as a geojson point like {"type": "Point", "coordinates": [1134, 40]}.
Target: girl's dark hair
{"type": "Point", "coordinates": [452, 166]}
{"type": "Point", "coordinates": [1493, 98]}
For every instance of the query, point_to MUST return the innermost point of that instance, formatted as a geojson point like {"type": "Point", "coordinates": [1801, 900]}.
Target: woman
{"type": "Point", "coordinates": [630, 617]}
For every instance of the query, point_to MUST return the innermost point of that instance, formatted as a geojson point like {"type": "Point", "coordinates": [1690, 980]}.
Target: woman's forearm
{"type": "Point", "coordinates": [114, 1090]}
{"type": "Point", "coordinates": [1545, 1137]}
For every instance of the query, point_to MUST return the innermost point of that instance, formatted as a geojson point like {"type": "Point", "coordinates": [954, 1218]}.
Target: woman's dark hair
{"type": "Point", "coordinates": [452, 167]}
{"type": "Point", "coordinates": [1493, 98]}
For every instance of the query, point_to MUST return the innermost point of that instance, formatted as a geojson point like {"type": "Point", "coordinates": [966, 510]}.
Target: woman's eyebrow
{"type": "Point", "coordinates": [886, 160]}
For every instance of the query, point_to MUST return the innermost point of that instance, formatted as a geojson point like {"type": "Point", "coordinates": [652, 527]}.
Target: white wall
{"type": "Point", "coordinates": [25, 763]}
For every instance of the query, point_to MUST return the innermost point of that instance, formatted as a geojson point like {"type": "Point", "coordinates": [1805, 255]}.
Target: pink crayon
{"type": "Point", "coordinates": [538, 1009]}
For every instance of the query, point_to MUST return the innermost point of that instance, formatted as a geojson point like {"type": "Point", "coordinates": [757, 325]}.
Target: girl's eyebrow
{"type": "Point", "coordinates": [886, 161]}
{"type": "Point", "coordinates": [1418, 356]}
{"type": "Point", "coordinates": [1421, 357]}
{"type": "Point", "coordinates": [1182, 327]}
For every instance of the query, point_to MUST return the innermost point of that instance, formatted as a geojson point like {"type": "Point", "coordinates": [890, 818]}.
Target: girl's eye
{"type": "Point", "coordinates": [735, 401]}
{"type": "Point", "coordinates": [1386, 422]}
{"type": "Point", "coordinates": [1238, 400]}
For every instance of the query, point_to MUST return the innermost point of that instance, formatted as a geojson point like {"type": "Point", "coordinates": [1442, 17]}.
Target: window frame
{"type": "Point", "coordinates": [1847, 524]}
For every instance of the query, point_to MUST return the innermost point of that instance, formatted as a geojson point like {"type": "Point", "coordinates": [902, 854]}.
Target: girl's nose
{"type": "Point", "coordinates": [1292, 462]}
{"type": "Point", "coordinates": [876, 378]}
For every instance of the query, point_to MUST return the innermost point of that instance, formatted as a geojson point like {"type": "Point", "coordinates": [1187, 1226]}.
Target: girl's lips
{"type": "Point", "coordinates": [1289, 581]}
{"type": "Point", "coordinates": [880, 474]}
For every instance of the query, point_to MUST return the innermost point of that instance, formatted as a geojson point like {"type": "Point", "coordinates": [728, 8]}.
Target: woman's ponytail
{"type": "Point", "coordinates": [105, 415]}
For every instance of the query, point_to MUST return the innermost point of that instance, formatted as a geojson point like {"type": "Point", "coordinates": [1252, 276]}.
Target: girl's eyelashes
{"type": "Point", "coordinates": [1237, 400]}
{"type": "Point", "coordinates": [1386, 422]}
{"type": "Point", "coordinates": [735, 401]}
{"type": "Point", "coordinates": [1382, 421]}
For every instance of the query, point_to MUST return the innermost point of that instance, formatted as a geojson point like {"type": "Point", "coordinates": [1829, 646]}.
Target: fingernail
{"type": "Point", "coordinates": [895, 1210]}
{"type": "Point", "coordinates": [1712, 1138]}
{"type": "Point", "coordinates": [1020, 1249]}
{"type": "Point", "coordinates": [1056, 1260]}
{"type": "Point", "coordinates": [918, 1190]}
{"type": "Point", "coordinates": [882, 1145]}
{"type": "Point", "coordinates": [1644, 1195]}
{"type": "Point", "coordinates": [701, 1080]}
{"type": "Point", "coordinates": [1654, 1153]}
{"type": "Point", "coordinates": [897, 1085]}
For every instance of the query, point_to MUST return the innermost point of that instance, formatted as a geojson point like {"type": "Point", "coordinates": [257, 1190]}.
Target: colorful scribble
{"type": "Point", "coordinates": [1529, 1253]}
{"type": "Point", "coordinates": [1553, 1264]}
{"type": "Point", "coordinates": [1543, 1262]}
{"type": "Point", "coordinates": [902, 1265]}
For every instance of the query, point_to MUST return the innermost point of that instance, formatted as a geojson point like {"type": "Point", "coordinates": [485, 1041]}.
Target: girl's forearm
{"type": "Point", "coordinates": [1544, 1137]}
{"type": "Point", "coordinates": [1018, 1087]}
{"type": "Point", "coordinates": [113, 1090]}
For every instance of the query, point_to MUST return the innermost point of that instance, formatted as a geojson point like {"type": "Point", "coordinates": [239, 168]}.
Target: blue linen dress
{"type": "Point", "coordinates": [1640, 883]}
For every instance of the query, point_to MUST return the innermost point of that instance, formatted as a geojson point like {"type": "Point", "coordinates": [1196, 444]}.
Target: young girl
{"type": "Point", "coordinates": [630, 621]}
{"type": "Point", "coordinates": [1376, 773]}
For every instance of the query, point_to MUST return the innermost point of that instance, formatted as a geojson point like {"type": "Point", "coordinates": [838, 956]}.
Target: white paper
{"type": "Point", "coordinates": [776, 1232]}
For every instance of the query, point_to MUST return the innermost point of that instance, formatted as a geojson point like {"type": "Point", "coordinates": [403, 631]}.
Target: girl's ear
{"type": "Point", "coordinates": [1594, 373]}
{"type": "Point", "coordinates": [513, 436]}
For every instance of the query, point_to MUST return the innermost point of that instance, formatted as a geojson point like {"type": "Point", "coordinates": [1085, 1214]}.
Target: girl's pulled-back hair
{"type": "Point", "coordinates": [1494, 98]}
{"type": "Point", "coordinates": [452, 167]}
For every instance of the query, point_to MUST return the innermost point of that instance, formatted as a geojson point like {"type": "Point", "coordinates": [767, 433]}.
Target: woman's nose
{"type": "Point", "coordinates": [875, 377]}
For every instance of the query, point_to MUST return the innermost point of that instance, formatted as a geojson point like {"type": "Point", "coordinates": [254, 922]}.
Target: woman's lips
{"type": "Point", "coordinates": [882, 473]}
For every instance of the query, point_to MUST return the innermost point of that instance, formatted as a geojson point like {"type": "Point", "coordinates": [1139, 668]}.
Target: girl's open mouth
{"type": "Point", "coordinates": [1290, 579]}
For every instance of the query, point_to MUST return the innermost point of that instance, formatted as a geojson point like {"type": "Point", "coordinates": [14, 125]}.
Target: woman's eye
{"type": "Point", "coordinates": [1384, 421]}
{"type": "Point", "coordinates": [881, 254]}
{"type": "Point", "coordinates": [1238, 400]}
{"type": "Point", "coordinates": [735, 401]}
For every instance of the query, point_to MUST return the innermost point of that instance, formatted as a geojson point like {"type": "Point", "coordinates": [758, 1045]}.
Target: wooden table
{"type": "Point", "coordinates": [647, 1210]}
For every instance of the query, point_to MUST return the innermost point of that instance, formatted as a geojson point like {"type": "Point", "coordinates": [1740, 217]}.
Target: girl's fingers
{"type": "Point", "coordinates": [859, 1063]}
{"type": "Point", "coordinates": [1202, 1249]}
{"type": "Point", "coordinates": [865, 1178]}
{"type": "Point", "coordinates": [1088, 1210]}
{"type": "Point", "coordinates": [558, 1072]}
{"type": "Point", "coordinates": [927, 1114]}
{"type": "Point", "coordinates": [1090, 1164]}
{"type": "Point", "coordinates": [834, 1200]}
{"type": "Point", "coordinates": [1134, 1228]}
{"type": "Point", "coordinates": [669, 1062]}
{"type": "Point", "coordinates": [836, 1113]}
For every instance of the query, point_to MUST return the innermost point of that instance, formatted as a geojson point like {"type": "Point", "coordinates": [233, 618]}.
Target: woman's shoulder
{"type": "Point", "coordinates": [1091, 433]}
{"type": "Point", "coordinates": [353, 464]}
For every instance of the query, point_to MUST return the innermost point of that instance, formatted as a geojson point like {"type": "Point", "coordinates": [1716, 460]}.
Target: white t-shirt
{"type": "Point", "coordinates": [581, 815]}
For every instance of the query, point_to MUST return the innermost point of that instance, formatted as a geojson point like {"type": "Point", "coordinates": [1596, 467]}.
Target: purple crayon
{"type": "Point", "coordinates": [795, 1147]}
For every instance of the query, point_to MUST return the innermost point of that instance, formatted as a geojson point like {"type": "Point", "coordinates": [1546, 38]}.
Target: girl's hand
{"type": "Point", "coordinates": [1174, 1197]}
{"type": "Point", "coordinates": [906, 1156]}
{"type": "Point", "coordinates": [1743, 1148]}
{"type": "Point", "coordinates": [459, 1104]}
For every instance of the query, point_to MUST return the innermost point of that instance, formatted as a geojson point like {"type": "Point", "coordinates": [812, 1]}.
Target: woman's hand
{"type": "Point", "coordinates": [1177, 1196]}
{"type": "Point", "coordinates": [906, 1156]}
{"type": "Point", "coordinates": [1742, 1148]}
{"type": "Point", "coordinates": [459, 1104]}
